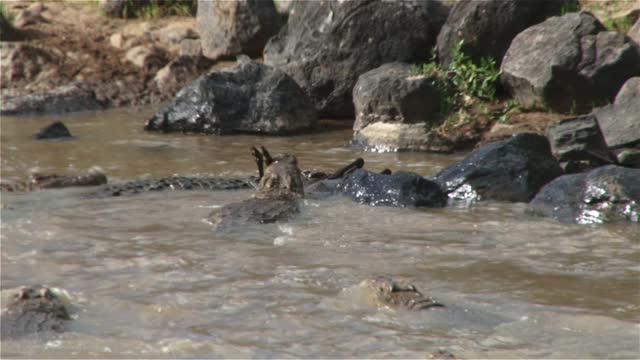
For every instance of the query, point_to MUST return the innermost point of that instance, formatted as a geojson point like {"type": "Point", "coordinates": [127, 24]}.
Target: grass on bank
{"type": "Point", "coordinates": [464, 84]}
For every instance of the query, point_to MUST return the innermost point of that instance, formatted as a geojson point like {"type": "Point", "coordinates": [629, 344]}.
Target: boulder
{"type": "Point", "coordinates": [63, 99]}
{"type": "Point", "coordinates": [628, 157]}
{"type": "Point", "coordinates": [230, 28]}
{"type": "Point", "coordinates": [487, 27]}
{"type": "Point", "coordinates": [147, 57]}
{"type": "Point", "coordinates": [607, 194]}
{"type": "Point", "coordinates": [568, 64]}
{"type": "Point", "coordinates": [634, 32]}
{"type": "Point", "coordinates": [510, 170]}
{"type": "Point", "coordinates": [57, 130]}
{"type": "Point", "coordinates": [400, 189]}
{"type": "Point", "coordinates": [578, 144]}
{"type": "Point", "coordinates": [170, 78]}
{"type": "Point", "coordinates": [619, 121]}
{"type": "Point", "coordinates": [326, 45]}
{"type": "Point", "coordinates": [390, 95]}
{"type": "Point", "coordinates": [248, 98]}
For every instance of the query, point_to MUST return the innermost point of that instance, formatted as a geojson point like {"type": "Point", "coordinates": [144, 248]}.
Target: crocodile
{"type": "Point", "coordinates": [93, 177]}
{"type": "Point", "coordinates": [384, 291]}
{"type": "Point", "coordinates": [35, 309]}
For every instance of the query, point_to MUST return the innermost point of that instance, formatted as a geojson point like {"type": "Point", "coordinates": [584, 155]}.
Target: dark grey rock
{"type": "Point", "coordinates": [400, 189]}
{"type": "Point", "coordinates": [510, 170]}
{"type": "Point", "coordinates": [390, 94]}
{"type": "Point", "coordinates": [628, 157]}
{"type": "Point", "coordinates": [34, 310]}
{"type": "Point", "coordinates": [326, 45]}
{"type": "Point", "coordinates": [578, 143]}
{"type": "Point", "coordinates": [607, 194]}
{"type": "Point", "coordinates": [620, 121]}
{"type": "Point", "coordinates": [568, 64]}
{"type": "Point", "coordinates": [57, 130]}
{"type": "Point", "coordinates": [487, 27]}
{"type": "Point", "coordinates": [230, 28]}
{"type": "Point", "coordinates": [249, 98]}
{"type": "Point", "coordinates": [63, 99]}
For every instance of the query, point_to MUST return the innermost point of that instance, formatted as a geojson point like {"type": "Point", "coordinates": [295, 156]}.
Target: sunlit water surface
{"type": "Point", "coordinates": [148, 277]}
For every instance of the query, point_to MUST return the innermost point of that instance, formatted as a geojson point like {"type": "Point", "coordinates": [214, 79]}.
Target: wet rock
{"type": "Point", "coordinates": [170, 78]}
{"type": "Point", "coordinates": [407, 105]}
{"type": "Point", "coordinates": [578, 144]}
{"type": "Point", "coordinates": [250, 97]}
{"type": "Point", "coordinates": [34, 310]}
{"type": "Point", "coordinates": [147, 57]}
{"type": "Point", "coordinates": [230, 28]}
{"type": "Point", "coordinates": [607, 194]}
{"type": "Point", "coordinates": [568, 64]}
{"type": "Point", "coordinates": [634, 32]}
{"type": "Point", "coordinates": [57, 130]}
{"type": "Point", "coordinates": [63, 99]}
{"type": "Point", "coordinates": [326, 45]}
{"type": "Point", "coordinates": [488, 27]}
{"type": "Point", "coordinates": [628, 157]}
{"type": "Point", "coordinates": [619, 121]}
{"type": "Point", "coordinates": [399, 189]}
{"type": "Point", "coordinates": [510, 170]}
{"type": "Point", "coordinates": [385, 292]}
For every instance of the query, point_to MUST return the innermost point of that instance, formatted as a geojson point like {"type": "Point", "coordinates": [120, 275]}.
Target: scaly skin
{"type": "Point", "coordinates": [384, 291]}
{"type": "Point", "coordinates": [35, 309]}
{"type": "Point", "coordinates": [93, 177]}
{"type": "Point", "coordinates": [174, 183]}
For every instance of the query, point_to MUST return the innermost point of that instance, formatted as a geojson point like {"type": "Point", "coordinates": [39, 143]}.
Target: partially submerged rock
{"type": "Point", "coordinates": [67, 98]}
{"type": "Point", "coordinates": [607, 194]}
{"type": "Point", "coordinates": [36, 309]}
{"type": "Point", "coordinates": [400, 189]}
{"type": "Point", "coordinates": [385, 292]}
{"type": "Point", "coordinates": [568, 64]}
{"type": "Point", "coordinates": [326, 45]}
{"type": "Point", "coordinates": [56, 130]}
{"type": "Point", "coordinates": [391, 98]}
{"type": "Point", "coordinates": [510, 170]}
{"type": "Point", "coordinates": [231, 28]}
{"type": "Point", "coordinates": [249, 98]}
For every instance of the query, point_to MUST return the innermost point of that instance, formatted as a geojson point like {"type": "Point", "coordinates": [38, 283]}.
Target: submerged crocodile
{"type": "Point", "coordinates": [93, 177]}
{"type": "Point", "coordinates": [34, 310]}
{"type": "Point", "coordinates": [384, 291]}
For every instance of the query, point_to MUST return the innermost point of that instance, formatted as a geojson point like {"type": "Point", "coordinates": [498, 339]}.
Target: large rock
{"type": "Point", "coordinates": [509, 170]}
{"type": "Point", "coordinates": [250, 97]}
{"type": "Point", "coordinates": [578, 143]}
{"type": "Point", "coordinates": [620, 121]}
{"type": "Point", "coordinates": [56, 130]}
{"type": "Point", "coordinates": [634, 32]}
{"type": "Point", "coordinates": [63, 99]}
{"type": "Point", "coordinates": [390, 95]}
{"type": "Point", "coordinates": [326, 45]}
{"type": "Point", "coordinates": [568, 64]}
{"type": "Point", "coordinates": [487, 27]}
{"type": "Point", "coordinates": [35, 309]}
{"type": "Point", "coordinates": [607, 194]}
{"type": "Point", "coordinates": [399, 189]}
{"type": "Point", "coordinates": [230, 28]}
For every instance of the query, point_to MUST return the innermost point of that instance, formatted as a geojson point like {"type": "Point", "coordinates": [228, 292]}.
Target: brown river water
{"type": "Point", "coordinates": [148, 277]}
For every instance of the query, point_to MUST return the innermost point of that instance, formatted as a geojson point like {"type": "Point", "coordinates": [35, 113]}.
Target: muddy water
{"type": "Point", "coordinates": [148, 277]}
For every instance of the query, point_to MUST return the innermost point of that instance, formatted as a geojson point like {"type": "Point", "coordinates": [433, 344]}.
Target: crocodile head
{"type": "Point", "coordinates": [384, 291]}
